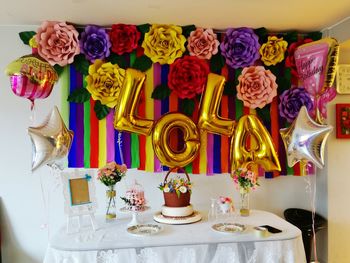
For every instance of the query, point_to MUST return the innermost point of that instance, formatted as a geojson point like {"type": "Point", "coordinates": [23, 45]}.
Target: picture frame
{"type": "Point", "coordinates": [79, 196]}
{"type": "Point", "coordinates": [343, 121]}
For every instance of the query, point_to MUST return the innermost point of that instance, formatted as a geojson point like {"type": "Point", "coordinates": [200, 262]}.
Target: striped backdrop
{"type": "Point", "coordinates": [97, 142]}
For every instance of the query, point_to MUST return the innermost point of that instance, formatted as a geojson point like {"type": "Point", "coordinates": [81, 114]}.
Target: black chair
{"type": "Point", "coordinates": [303, 220]}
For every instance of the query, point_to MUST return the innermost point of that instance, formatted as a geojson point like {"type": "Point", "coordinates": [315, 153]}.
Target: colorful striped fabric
{"type": "Point", "coordinates": [97, 142]}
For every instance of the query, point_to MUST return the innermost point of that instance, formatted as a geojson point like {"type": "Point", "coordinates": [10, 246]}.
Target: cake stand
{"type": "Point", "coordinates": [134, 220]}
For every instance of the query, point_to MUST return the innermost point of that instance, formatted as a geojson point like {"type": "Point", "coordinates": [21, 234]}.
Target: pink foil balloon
{"type": "Point", "coordinates": [31, 77]}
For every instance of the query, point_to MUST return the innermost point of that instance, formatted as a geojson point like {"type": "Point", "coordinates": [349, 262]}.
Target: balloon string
{"type": "Point", "coordinates": [45, 206]}
{"type": "Point", "coordinates": [311, 188]}
{"type": "Point", "coordinates": [32, 115]}
{"type": "Point", "coordinates": [120, 142]}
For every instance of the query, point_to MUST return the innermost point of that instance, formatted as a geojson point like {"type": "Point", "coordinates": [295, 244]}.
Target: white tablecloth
{"type": "Point", "coordinates": [180, 243]}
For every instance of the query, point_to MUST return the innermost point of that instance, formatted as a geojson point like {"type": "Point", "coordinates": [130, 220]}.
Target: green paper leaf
{"type": "Point", "coordinates": [144, 28]}
{"type": "Point", "coordinates": [262, 34]}
{"type": "Point", "coordinates": [81, 64]}
{"type": "Point", "coordinates": [178, 193]}
{"type": "Point", "coordinates": [117, 59]}
{"type": "Point", "coordinates": [58, 69]}
{"type": "Point", "coordinates": [187, 106]}
{"type": "Point", "coordinates": [186, 30]}
{"type": "Point", "coordinates": [217, 62]}
{"type": "Point", "coordinates": [291, 37]}
{"type": "Point", "coordinates": [161, 92]}
{"type": "Point", "coordinates": [142, 63]}
{"type": "Point", "coordinates": [79, 95]}
{"type": "Point", "coordinates": [264, 113]}
{"type": "Point", "coordinates": [101, 110]}
{"type": "Point", "coordinates": [238, 72]}
{"type": "Point", "coordinates": [26, 36]}
{"type": "Point", "coordinates": [230, 89]}
{"type": "Point", "coordinates": [314, 35]}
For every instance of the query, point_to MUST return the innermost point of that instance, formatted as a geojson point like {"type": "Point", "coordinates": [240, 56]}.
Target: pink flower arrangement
{"type": "Point", "coordinates": [203, 43]}
{"type": "Point", "coordinates": [245, 179]}
{"type": "Point", "coordinates": [57, 42]}
{"type": "Point", "coordinates": [111, 173]}
{"type": "Point", "coordinates": [257, 87]}
{"type": "Point", "coordinates": [225, 200]}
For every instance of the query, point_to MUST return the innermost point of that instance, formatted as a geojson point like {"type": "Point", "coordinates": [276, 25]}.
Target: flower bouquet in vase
{"type": "Point", "coordinates": [109, 175]}
{"type": "Point", "coordinates": [245, 180]}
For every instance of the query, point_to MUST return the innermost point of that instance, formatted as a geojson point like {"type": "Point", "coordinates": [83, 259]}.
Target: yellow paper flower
{"type": "Point", "coordinates": [33, 43]}
{"type": "Point", "coordinates": [104, 82]}
{"type": "Point", "coordinates": [272, 52]}
{"type": "Point", "coordinates": [164, 43]}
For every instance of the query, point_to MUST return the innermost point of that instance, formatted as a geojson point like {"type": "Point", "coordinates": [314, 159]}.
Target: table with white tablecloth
{"type": "Point", "coordinates": [197, 242]}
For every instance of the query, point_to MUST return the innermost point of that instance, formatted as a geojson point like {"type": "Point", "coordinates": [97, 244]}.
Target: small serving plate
{"type": "Point", "coordinates": [229, 227]}
{"type": "Point", "coordinates": [144, 230]}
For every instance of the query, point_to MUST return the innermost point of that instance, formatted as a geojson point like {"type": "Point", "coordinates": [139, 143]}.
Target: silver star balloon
{"type": "Point", "coordinates": [305, 140]}
{"type": "Point", "coordinates": [51, 141]}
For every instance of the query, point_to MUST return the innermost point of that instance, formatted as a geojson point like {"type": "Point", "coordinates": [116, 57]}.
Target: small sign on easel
{"type": "Point", "coordinates": [80, 199]}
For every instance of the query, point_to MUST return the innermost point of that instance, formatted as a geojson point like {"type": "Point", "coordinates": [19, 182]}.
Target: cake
{"type": "Point", "coordinates": [134, 198]}
{"type": "Point", "coordinates": [177, 194]}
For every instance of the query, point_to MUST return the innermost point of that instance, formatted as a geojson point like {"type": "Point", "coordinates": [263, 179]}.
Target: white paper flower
{"type": "Point", "coordinates": [183, 189]}
{"type": "Point", "coordinates": [166, 189]}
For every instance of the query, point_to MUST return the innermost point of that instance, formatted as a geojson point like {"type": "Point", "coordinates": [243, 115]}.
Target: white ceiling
{"type": "Point", "coordinates": [275, 15]}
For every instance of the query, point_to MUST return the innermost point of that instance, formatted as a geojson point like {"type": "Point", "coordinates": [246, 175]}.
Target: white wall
{"type": "Point", "coordinates": [22, 208]}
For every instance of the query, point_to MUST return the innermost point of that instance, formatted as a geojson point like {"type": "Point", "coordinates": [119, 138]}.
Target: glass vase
{"type": "Point", "coordinates": [110, 204]}
{"type": "Point", "coordinates": [244, 203]}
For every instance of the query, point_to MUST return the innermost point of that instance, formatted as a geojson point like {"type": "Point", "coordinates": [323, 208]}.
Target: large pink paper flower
{"type": "Point", "coordinates": [203, 43]}
{"type": "Point", "coordinates": [57, 42]}
{"type": "Point", "coordinates": [257, 87]}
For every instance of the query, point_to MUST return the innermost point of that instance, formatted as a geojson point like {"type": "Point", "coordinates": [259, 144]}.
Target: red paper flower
{"type": "Point", "coordinates": [290, 60]}
{"type": "Point", "coordinates": [124, 38]}
{"type": "Point", "coordinates": [188, 76]}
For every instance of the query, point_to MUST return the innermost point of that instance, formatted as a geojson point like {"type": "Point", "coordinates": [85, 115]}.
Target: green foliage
{"type": "Point", "coordinates": [101, 110]}
{"type": "Point", "coordinates": [142, 63]}
{"type": "Point", "coordinates": [117, 59]}
{"type": "Point", "coordinates": [230, 89]}
{"type": "Point", "coordinates": [79, 96]}
{"type": "Point", "coordinates": [81, 64]}
{"type": "Point", "coordinates": [217, 62]}
{"type": "Point", "coordinates": [161, 92]}
{"type": "Point", "coordinates": [187, 106]}
{"type": "Point", "coordinates": [58, 69]}
{"type": "Point", "coordinates": [186, 30]}
{"type": "Point", "coordinates": [25, 36]}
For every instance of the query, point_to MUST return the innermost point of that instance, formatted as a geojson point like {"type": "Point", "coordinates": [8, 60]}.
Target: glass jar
{"type": "Point", "coordinates": [244, 203]}
{"type": "Point", "coordinates": [110, 204]}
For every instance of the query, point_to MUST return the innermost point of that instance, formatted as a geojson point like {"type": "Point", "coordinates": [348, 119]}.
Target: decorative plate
{"type": "Point", "coordinates": [195, 217]}
{"type": "Point", "coordinates": [229, 227]}
{"type": "Point", "coordinates": [144, 230]}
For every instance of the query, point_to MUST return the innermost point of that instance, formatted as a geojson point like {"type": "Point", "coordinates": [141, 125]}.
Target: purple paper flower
{"type": "Point", "coordinates": [291, 102]}
{"type": "Point", "coordinates": [240, 47]}
{"type": "Point", "coordinates": [94, 43]}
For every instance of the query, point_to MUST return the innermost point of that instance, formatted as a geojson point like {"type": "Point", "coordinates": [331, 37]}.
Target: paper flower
{"type": "Point", "coordinates": [188, 77]}
{"type": "Point", "coordinates": [240, 47]}
{"type": "Point", "coordinates": [94, 43]}
{"type": "Point", "coordinates": [124, 38]}
{"type": "Point", "coordinates": [164, 43]}
{"type": "Point", "coordinates": [290, 60]}
{"type": "Point", "coordinates": [104, 82]}
{"type": "Point", "coordinates": [291, 102]}
{"type": "Point", "coordinates": [257, 87]}
{"type": "Point", "coordinates": [272, 52]}
{"type": "Point", "coordinates": [203, 43]}
{"type": "Point", "coordinates": [57, 42]}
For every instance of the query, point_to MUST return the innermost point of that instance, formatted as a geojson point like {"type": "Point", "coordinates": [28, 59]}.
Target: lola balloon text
{"type": "Point", "coordinates": [249, 126]}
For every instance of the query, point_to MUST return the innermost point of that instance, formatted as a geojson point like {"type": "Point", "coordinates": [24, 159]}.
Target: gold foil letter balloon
{"type": "Point", "coordinates": [161, 140]}
{"type": "Point", "coordinates": [51, 141]}
{"type": "Point", "coordinates": [209, 119]}
{"type": "Point", "coordinates": [264, 153]}
{"type": "Point", "coordinates": [125, 118]}
{"type": "Point", "coordinates": [31, 77]}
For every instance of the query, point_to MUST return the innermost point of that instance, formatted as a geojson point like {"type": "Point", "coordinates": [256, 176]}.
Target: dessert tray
{"type": "Point", "coordinates": [144, 230]}
{"type": "Point", "coordinates": [178, 220]}
{"type": "Point", "coordinates": [229, 228]}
